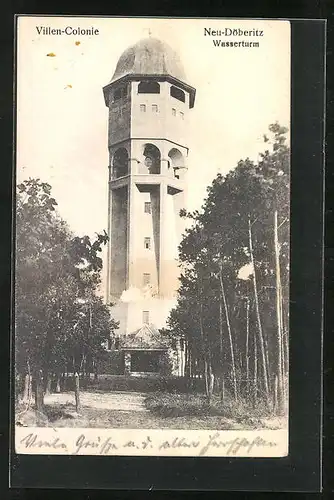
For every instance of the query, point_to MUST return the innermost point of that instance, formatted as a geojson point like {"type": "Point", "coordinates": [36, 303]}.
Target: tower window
{"type": "Point", "coordinates": [143, 108]}
{"type": "Point", "coordinates": [177, 94]}
{"type": "Point", "coordinates": [149, 87]}
{"type": "Point", "coordinates": [120, 163]}
{"type": "Point", "coordinates": [177, 162]}
{"type": "Point", "coordinates": [147, 243]}
{"type": "Point", "coordinates": [152, 158]}
{"type": "Point", "coordinates": [146, 317]}
{"type": "Point", "coordinates": [146, 279]}
{"type": "Point", "coordinates": [182, 115]}
{"type": "Point", "coordinates": [154, 108]}
{"type": "Point", "coordinates": [120, 93]}
{"type": "Point", "coordinates": [147, 207]}
{"type": "Point", "coordinates": [173, 111]}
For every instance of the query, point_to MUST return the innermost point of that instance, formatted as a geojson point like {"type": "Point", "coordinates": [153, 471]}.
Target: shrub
{"type": "Point", "coordinates": [179, 405]}
{"type": "Point", "coordinates": [147, 383]}
{"type": "Point", "coordinates": [125, 383]}
{"type": "Point", "coordinates": [111, 363]}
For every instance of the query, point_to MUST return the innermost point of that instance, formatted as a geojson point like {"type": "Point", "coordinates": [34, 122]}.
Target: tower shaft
{"type": "Point", "coordinates": [147, 182]}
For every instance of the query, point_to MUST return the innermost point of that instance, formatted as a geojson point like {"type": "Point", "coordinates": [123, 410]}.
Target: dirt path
{"type": "Point", "coordinates": [127, 410]}
{"type": "Point", "coordinates": [121, 401]}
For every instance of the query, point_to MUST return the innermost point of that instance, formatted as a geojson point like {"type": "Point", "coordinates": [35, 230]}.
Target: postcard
{"type": "Point", "coordinates": [152, 236]}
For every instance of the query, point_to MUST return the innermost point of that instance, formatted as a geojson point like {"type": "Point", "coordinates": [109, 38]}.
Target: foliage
{"type": "Point", "coordinates": [227, 307]}
{"type": "Point", "coordinates": [61, 324]}
{"type": "Point", "coordinates": [180, 405]}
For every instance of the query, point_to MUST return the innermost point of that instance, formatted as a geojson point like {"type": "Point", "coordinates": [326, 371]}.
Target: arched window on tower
{"type": "Point", "coordinates": [177, 163]}
{"type": "Point", "coordinates": [120, 92]}
{"type": "Point", "coordinates": [120, 163]}
{"type": "Point", "coordinates": [177, 94]}
{"type": "Point", "coordinates": [148, 87]}
{"type": "Point", "coordinates": [152, 158]}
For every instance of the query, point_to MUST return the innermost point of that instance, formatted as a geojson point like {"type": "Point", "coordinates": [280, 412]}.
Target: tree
{"type": "Point", "coordinates": [59, 319]}
{"type": "Point", "coordinates": [240, 322]}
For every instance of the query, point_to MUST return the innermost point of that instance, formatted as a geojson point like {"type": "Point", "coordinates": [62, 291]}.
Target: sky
{"type": "Point", "coordinates": [62, 118]}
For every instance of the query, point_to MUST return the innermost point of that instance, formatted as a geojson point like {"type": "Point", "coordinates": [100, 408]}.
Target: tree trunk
{"type": "Point", "coordinates": [77, 392]}
{"type": "Point", "coordinates": [276, 399]}
{"type": "Point", "coordinates": [247, 346]}
{"type": "Point", "coordinates": [178, 364]}
{"type": "Point", "coordinates": [58, 389]}
{"type": "Point", "coordinates": [81, 364]}
{"type": "Point", "coordinates": [190, 371]}
{"type": "Point", "coordinates": [221, 334]}
{"type": "Point", "coordinates": [286, 363]}
{"type": "Point", "coordinates": [285, 341]}
{"type": "Point", "coordinates": [283, 335]}
{"type": "Point", "coordinates": [258, 317]}
{"type": "Point", "coordinates": [222, 390]}
{"type": "Point", "coordinates": [48, 384]}
{"type": "Point", "coordinates": [283, 358]}
{"type": "Point", "coordinates": [182, 361]}
{"type": "Point", "coordinates": [84, 371]}
{"type": "Point", "coordinates": [27, 393]}
{"type": "Point", "coordinates": [211, 379]}
{"type": "Point", "coordinates": [39, 393]}
{"type": "Point", "coordinates": [192, 363]}
{"type": "Point", "coordinates": [203, 347]}
{"type": "Point", "coordinates": [234, 377]}
{"type": "Point", "coordinates": [18, 387]}
{"type": "Point", "coordinates": [255, 372]}
{"type": "Point", "coordinates": [206, 379]}
{"type": "Point", "coordinates": [279, 331]}
{"type": "Point", "coordinates": [186, 361]}
{"type": "Point", "coordinates": [221, 347]}
{"type": "Point", "coordinates": [269, 374]}
{"type": "Point", "coordinates": [95, 371]}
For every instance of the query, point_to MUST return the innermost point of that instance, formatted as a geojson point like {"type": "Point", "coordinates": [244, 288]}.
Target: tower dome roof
{"type": "Point", "coordinates": [149, 56]}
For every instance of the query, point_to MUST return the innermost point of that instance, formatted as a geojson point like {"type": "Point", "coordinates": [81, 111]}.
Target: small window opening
{"type": "Point", "coordinates": [147, 207]}
{"type": "Point", "coordinates": [143, 108]}
{"type": "Point", "coordinates": [177, 94]}
{"type": "Point", "coordinates": [154, 108]}
{"type": "Point", "coordinates": [173, 111]}
{"type": "Point", "coordinates": [146, 317]}
{"type": "Point", "coordinates": [147, 243]}
{"type": "Point", "coordinates": [148, 87]}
